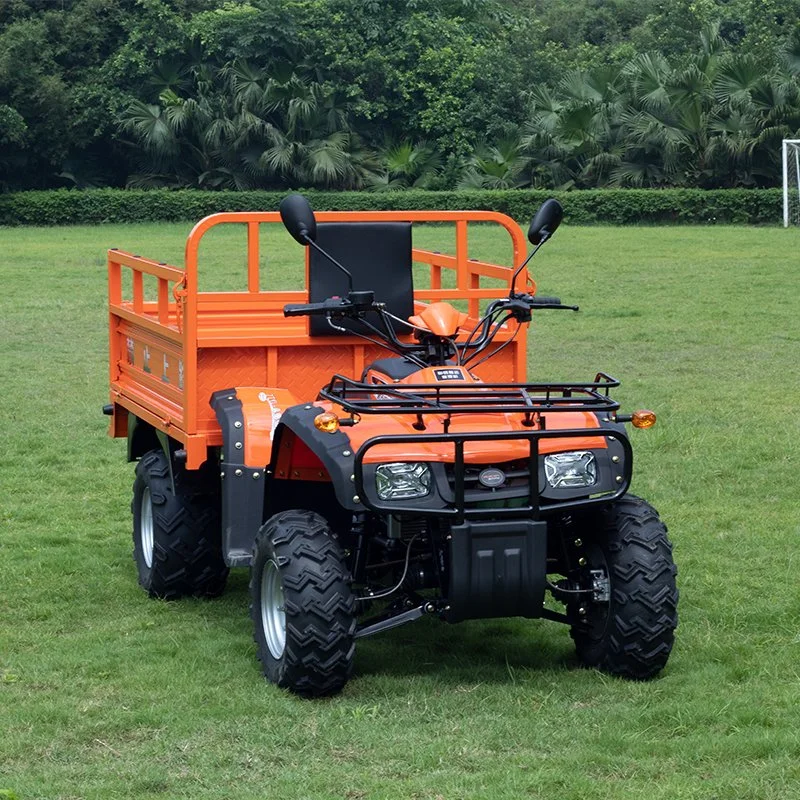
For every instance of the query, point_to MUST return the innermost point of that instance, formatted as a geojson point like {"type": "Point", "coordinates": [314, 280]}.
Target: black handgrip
{"type": "Point", "coordinates": [297, 310]}
{"type": "Point", "coordinates": [544, 300]}
{"type": "Point", "coordinates": [331, 305]}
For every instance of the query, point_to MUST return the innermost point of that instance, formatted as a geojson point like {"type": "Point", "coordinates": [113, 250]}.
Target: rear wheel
{"type": "Point", "coordinates": [176, 536]}
{"type": "Point", "coordinates": [628, 626]}
{"type": "Point", "coordinates": [303, 609]}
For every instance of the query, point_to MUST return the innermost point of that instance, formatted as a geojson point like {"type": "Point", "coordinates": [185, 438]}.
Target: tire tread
{"type": "Point", "coordinates": [644, 597]}
{"type": "Point", "coordinates": [187, 551]}
{"type": "Point", "coordinates": [319, 606]}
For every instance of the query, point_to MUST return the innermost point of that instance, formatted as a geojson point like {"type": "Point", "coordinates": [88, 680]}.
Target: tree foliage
{"type": "Point", "coordinates": [396, 94]}
{"type": "Point", "coordinates": [715, 120]}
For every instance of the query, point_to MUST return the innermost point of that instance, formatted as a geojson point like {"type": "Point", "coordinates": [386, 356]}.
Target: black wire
{"type": "Point", "coordinates": [377, 342]}
{"type": "Point", "coordinates": [505, 344]}
{"type": "Point", "coordinates": [490, 336]}
{"type": "Point", "coordinates": [410, 356]}
{"type": "Point", "coordinates": [482, 323]}
{"type": "Point", "coordinates": [356, 333]}
{"type": "Point", "coordinates": [383, 594]}
{"type": "Point", "coordinates": [485, 323]}
{"type": "Point", "coordinates": [554, 588]}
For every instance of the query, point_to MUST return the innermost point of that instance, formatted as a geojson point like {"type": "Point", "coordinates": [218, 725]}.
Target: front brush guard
{"type": "Point", "coordinates": [457, 511]}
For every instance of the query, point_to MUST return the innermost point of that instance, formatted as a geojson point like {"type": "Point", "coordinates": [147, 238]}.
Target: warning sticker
{"type": "Point", "coordinates": [452, 374]}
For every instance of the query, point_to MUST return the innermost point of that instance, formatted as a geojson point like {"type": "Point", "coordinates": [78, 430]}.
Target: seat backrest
{"type": "Point", "coordinates": [378, 255]}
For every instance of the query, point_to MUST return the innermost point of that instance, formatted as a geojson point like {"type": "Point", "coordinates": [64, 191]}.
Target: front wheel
{"type": "Point", "coordinates": [302, 606]}
{"type": "Point", "coordinates": [628, 626]}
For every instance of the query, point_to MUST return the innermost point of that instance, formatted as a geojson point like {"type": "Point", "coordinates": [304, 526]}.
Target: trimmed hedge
{"type": "Point", "coordinates": [591, 206]}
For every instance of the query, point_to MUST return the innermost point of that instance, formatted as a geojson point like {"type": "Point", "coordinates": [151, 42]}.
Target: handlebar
{"type": "Point", "coordinates": [520, 305]}
{"type": "Point", "coordinates": [354, 304]}
{"type": "Point", "coordinates": [544, 300]}
{"type": "Point", "coordinates": [333, 305]}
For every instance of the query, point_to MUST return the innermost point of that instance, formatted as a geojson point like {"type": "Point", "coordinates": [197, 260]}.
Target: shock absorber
{"type": "Point", "coordinates": [358, 532]}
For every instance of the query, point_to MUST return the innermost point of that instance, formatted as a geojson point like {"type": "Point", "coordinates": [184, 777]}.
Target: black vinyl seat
{"type": "Point", "coordinates": [394, 368]}
{"type": "Point", "coordinates": [378, 255]}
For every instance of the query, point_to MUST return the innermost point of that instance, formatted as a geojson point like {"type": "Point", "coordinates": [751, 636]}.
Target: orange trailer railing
{"type": "Point", "coordinates": [168, 354]}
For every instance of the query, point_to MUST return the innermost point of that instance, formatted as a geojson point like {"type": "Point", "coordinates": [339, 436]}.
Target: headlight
{"type": "Point", "coordinates": [401, 480]}
{"type": "Point", "coordinates": [571, 470]}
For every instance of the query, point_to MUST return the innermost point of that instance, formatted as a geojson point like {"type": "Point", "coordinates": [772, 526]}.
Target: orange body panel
{"type": "Point", "coordinates": [441, 319]}
{"type": "Point", "coordinates": [475, 452]}
{"type": "Point", "coordinates": [167, 355]}
{"type": "Point", "coordinates": [261, 410]}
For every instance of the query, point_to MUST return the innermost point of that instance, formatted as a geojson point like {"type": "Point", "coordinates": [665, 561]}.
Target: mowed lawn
{"type": "Point", "coordinates": [107, 694]}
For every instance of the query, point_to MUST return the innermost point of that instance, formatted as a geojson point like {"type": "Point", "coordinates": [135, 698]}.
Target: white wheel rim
{"type": "Point", "coordinates": [273, 617]}
{"type": "Point", "coordinates": [146, 528]}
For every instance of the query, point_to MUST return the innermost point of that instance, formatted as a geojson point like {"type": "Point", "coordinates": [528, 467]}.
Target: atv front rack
{"type": "Point", "coordinates": [530, 399]}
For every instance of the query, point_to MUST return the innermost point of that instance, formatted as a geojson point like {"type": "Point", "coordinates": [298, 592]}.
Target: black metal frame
{"type": "Point", "coordinates": [532, 400]}
{"type": "Point", "coordinates": [471, 398]}
{"type": "Point", "coordinates": [458, 512]}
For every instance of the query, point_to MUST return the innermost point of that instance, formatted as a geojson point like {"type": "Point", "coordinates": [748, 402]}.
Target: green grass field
{"type": "Point", "coordinates": [107, 694]}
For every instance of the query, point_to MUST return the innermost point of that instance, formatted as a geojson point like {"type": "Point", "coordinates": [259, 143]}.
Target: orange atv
{"type": "Point", "coordinates": [438, 482]}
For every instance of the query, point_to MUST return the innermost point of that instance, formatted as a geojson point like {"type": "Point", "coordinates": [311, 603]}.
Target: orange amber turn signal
{"type": "Point", "coordinates": [643, 419]}
{"type": "Point", "coordinates": [327, 422]}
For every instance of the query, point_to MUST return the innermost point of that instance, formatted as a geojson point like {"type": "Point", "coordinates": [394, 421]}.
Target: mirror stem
{"type": "Point", "coordinates": [330, 258]}
{"type": "Point", "coordinates": [524, 264]}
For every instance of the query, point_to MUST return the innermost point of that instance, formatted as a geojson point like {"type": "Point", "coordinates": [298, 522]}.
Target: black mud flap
{"type": "Point", "coordinates": [497, 569]}
{"type": "Point", "coordinates": [242, 486]}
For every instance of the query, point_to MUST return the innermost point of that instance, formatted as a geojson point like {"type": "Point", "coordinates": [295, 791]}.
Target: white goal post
{"type": "Point", "coordinates": [791, 182]}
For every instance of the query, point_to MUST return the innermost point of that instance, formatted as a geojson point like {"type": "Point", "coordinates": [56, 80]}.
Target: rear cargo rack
{"type": "Point", "coordinates": [471, 398]}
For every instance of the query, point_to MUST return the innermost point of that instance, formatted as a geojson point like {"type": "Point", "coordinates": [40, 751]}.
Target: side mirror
{"type": "Point", "coordinates": [544, 224]}
{"type": "Point", "coordinates": [298, 218]}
